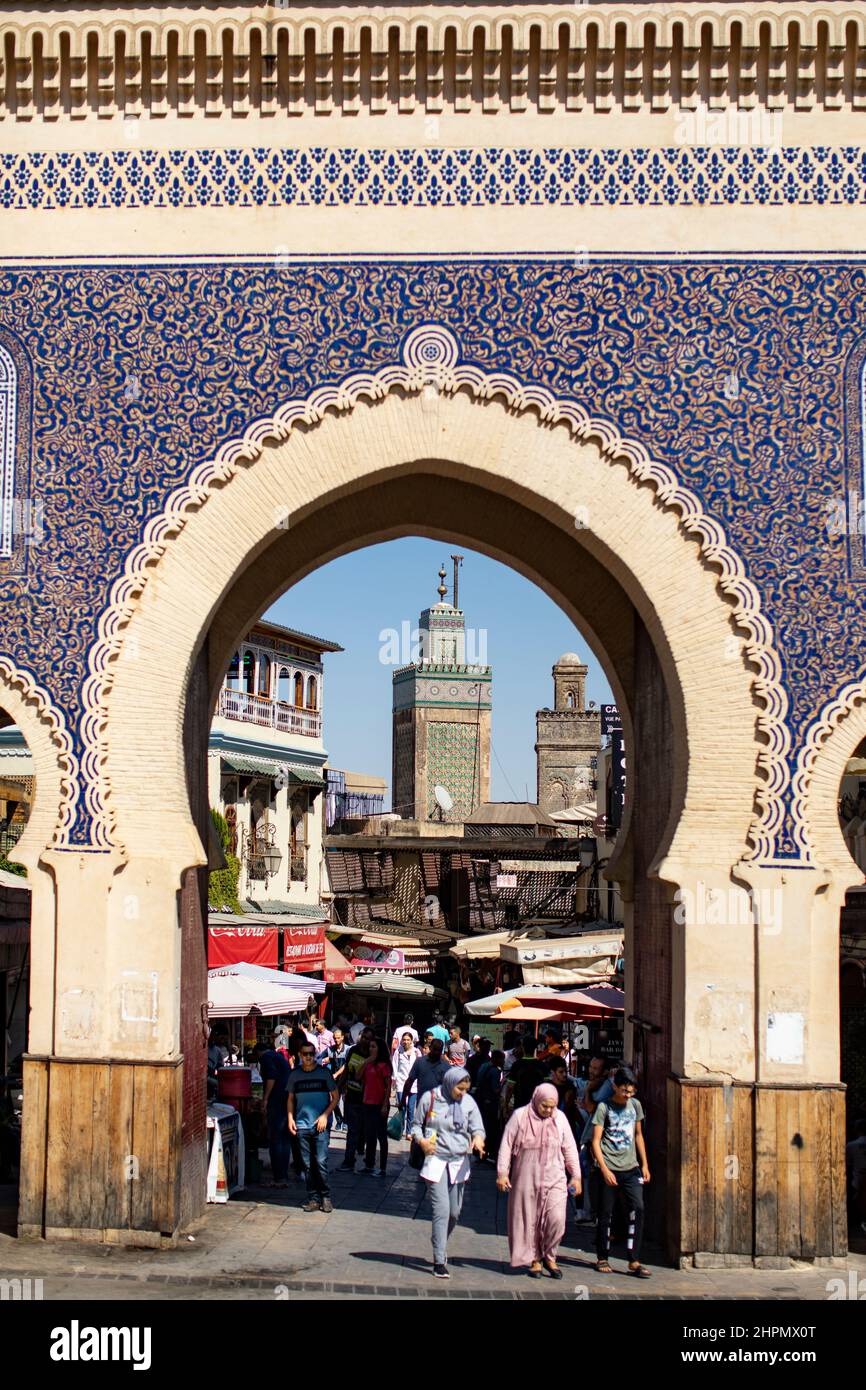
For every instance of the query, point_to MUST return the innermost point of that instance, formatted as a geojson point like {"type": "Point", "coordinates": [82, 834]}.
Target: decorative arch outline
{"type": "Point", "coordinates": [431, 364]}
{"type": "Point", "coordinates": [50, 743]}
{"type": "Point", "coordinates": [839, 728]}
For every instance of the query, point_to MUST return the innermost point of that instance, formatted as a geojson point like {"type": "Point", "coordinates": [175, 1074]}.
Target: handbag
{"type": "Point", "coordinates": [395, 1125]}
{"type": "Point", "coordinates": [416, 1153]}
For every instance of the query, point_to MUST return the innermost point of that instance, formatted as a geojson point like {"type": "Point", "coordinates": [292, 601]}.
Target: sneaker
{"type": "Point", "coordinates": [376, 1173]}
{"type": "Point", "coordinates": [346, 1167]}
{"type": "Point", "coordinates": [441, 1272]}
{"type": "Point", "coordinates": [312, 1205]}
{"type": "Point", "coordinates": [327, 1205]}
{"type": "Point", "coordinates": [368, 1172]}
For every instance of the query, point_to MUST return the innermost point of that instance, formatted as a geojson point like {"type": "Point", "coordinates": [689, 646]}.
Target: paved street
{"type": "Point", "coordinates": [375, 1245]}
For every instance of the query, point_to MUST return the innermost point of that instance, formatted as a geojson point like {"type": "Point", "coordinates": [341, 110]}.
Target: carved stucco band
{"type": "Point", "coordinates": [430, 359]}
{"type": "Point", "coordinates": [108, 62]}
{"type": "Point", "coordinates": [15, 678]}
{"type": "Point", "coordinates": [834, 713]}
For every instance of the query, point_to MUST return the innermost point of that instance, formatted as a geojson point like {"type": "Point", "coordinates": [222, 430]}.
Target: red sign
{"type": "Point", "coordinates": [338, 971]}
{"type": "Point", "coordinates": [228, 945]}
{"type": "Point", "coordinates": [304, 949]}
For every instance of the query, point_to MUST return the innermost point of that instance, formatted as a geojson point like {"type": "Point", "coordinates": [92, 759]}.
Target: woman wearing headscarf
{"type": "Point", "coordinates": [448, 1127]}
{"type": "Point", "coordinates": [539, 1165]}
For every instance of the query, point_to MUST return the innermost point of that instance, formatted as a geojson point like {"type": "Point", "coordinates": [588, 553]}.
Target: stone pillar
{"type": "Point", "coordinates": [103, 1080]}
{"type": "Point", "coordinates": [756, 1116]}
{"type": "Point", "coordinates": [114, 1141]}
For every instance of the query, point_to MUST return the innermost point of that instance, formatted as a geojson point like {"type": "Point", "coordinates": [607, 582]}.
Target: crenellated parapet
{"type": "Point", "coordinates": [101, 62]}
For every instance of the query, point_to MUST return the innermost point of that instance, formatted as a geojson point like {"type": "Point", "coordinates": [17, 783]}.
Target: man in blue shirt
{"type": "Point", "coordinates": [312, 1095]}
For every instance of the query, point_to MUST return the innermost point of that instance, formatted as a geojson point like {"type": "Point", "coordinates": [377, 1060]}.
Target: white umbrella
{"type": "Point", "coordinates": [265, 973]}
{"type": "Point", "coordinates": [236, 996]}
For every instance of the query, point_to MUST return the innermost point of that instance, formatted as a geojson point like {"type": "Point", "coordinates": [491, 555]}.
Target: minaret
{"type": "Point", "coordinates": [567, 739]}
{"type": "Point", "coordinates": [441, 718]}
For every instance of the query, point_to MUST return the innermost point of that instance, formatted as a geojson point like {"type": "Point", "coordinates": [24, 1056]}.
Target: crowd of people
{"type": "Point", "coordinates": [554, 1137]}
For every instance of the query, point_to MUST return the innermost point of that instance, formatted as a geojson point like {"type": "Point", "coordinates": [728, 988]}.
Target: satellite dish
{"type": "Point", "coordinates": [444, 800]}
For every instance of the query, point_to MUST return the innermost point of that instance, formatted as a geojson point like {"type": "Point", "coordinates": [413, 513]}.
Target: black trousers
{"type": "Point", "coordinates": [355, 1131]}
{"type": "Point", "coordinates": [628, 1192]}
{"type": "Point", "coordinates": [375, 1125]}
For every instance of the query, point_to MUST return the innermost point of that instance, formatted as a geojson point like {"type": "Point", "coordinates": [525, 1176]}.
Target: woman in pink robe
{"type": "Point", "coordinates": [539, 1165]}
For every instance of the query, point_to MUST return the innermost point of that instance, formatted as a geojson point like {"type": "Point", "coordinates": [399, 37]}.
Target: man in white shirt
{"type": "Point", "coordinates": [358, 1028]}
{"type": "Point", "coordinates": [405, 1027]}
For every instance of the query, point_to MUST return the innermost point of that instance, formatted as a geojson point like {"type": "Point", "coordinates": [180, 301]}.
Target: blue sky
{"type": "Point", "coordinates": [353, 599]}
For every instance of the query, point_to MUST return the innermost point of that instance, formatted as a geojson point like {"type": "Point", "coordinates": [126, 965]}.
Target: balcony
{"type": "Point", "coordinates": [273, 714]}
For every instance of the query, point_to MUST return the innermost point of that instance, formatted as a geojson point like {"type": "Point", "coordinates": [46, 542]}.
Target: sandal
{"type": "Point", "coordinates": [602, 1267]}
{"type": "Point", "coordinates": [640, 1271]}
{"type": "Point", "coordinates": [553, 1270]}
{"type": "Point", "coordinates": [535, 1272]}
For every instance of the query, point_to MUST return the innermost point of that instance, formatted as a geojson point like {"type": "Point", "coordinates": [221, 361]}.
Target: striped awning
{"type": "Point", "coordinates": [272, 767]}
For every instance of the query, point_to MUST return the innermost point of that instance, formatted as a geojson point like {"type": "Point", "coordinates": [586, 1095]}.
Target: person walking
{"type": "Point", "coordinates": [480, 1055]}
{"type": "Point", "coordinates": [448, 1127]}
{"type": "Point", "coordinates": [353, 1098]}
{"type": "Point", "coordinates": [407, 1026]}
{"type": "Point", "coordinates": [275, 1071]}
{"type": "Point", "coordinates": [620, 1154]}
{"type": "Point", "coordinates": [457, 1048]}
{"type": "Point", "coordinates": [427, 1072]}
{"type": "Point", "coordinates": [487, 1094]}
{"type": "Point", "coordinates": [403, 1061]}
{"type": "Point", "coordinates": [335, 1061]}
{"type": "Point", "coordinates": [566, 1091]}
{"type": "Point", "coordinates": [539, 1166]}
{"type": "Point", "coordinates": [377, 1103]}
{"type": "Point", "coordinates": [312, 1095]}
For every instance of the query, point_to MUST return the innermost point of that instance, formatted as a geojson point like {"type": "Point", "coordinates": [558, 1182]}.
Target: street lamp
{"type": "Point", "coordinates": [263, 854]}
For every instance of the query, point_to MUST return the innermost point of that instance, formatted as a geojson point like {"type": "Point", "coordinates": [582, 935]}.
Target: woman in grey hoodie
{"type": "Point", "coordinates": [448, 1127]}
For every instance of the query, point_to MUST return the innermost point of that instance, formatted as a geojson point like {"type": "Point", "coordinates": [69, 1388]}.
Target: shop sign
{"type": "Point", "coordinates": [229, 945]}
{"type": "Point", "coordinates": [378, 958]}
{"type": "Point", "coordinates": [304, 948]}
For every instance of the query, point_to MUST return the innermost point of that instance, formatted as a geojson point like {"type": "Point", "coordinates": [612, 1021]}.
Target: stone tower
{"type": "Point", "coordinates": [441, 720]}
{"type": "Point", "coordinates": [567, 739]}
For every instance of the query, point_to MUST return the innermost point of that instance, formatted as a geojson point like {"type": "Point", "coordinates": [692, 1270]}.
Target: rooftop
{"type": "Point", "coordinates": [509, 813]}
{"type": "Point", "coordinates": [291, 634]}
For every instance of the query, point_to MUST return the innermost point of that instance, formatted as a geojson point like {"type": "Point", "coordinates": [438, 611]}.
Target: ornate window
{"type": "Point", "coordinates": [299, 690]}
{"type": "Point", "coordinates": [284, 686]}
{"type": "Point", "coordinates": [312, 693]}
{"type": "Point", "coordinates": [8, 445]}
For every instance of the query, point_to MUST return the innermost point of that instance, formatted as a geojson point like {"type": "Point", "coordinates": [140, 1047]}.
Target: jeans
{"type": "Point", "coordinates": [629, 1189]}
{"type": "Point", "coordinates": [355, 1130]}
{"type": "Point", "coordinates": [375, 1124]}
{"type": "Point", "coordinates": [446, 1199]}
{"type": "Point", "coordinates": [409, 1111]}
{"type": "Point", "coordinates": [314, 1149]}
{"type": "Point", "coordinates": [279, 1144]}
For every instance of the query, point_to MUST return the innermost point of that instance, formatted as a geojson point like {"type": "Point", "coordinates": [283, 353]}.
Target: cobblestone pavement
{"type": "Point", "coordinates": [375, 1245]}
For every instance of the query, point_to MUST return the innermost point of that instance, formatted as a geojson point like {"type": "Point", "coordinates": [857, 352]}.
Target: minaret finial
{"type": "Point", "coordinates": [442, 590]}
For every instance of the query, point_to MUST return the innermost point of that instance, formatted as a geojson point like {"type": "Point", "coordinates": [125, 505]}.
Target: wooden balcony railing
{"type": "Point", "coordinates": [274, 714]}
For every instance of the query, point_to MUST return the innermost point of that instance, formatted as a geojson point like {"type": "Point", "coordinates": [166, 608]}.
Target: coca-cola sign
{"type": "Point", "coordinates": [304, 948]}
